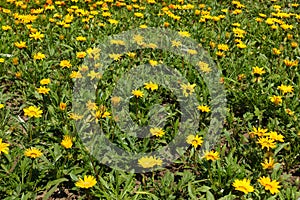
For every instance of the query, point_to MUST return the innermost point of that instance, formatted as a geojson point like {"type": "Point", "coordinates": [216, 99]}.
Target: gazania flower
{"type": "Point", "coordinates": [203, 108]}
{"type": "Point", "coordinates": [65, 63]}
{"type": "Point", "coordinates": [188, 89]}
{"type": "Point", "coordinates": [268, 163]}
{"type": "Point", "coordinates": [272, 186]}
{"type": "Point", "coordinates": [33, 152]}
{"type": "Point", "coordinates": [159, 132]}
{"type": "Point", "coordinates": [86, 182]}
{"type": "Point", "coordinates": [67, 142]}
{"type": "Point", "coordinates": [243, 185]}
{"type": "Point", "coordinates": [149, 162]}
{"type": "Point", "coordinates": [45, 81]}
{"type": "Point", "coordinates": [33, 111]}
{"type": "Point", "coordinates": [151, 86]}
{"type": "Point", "coordinates": [137, 93]}
{"type": "Point", "coordinates": [194, 140]}
{"type": "Point", "coordinates": [3, 147]}
{"type": "Point", "coordinates": [43, 90]}
{"type": "Point", "coordinates": [212, 155]}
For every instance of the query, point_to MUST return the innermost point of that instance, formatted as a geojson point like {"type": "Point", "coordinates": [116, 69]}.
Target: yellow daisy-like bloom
{"type": "Point", "coordinates": [184, 34]}
{"type": "Point", "coordinates": [204, 67]}
{"type": "Point", "coordinates": [243, 185]}
{"type": "Point", "coordinates": [276, 99]}
{"type": "Point", "coordinates": [81, 54]}
{"type": "Point", "coordinates": [194, 140]}
{"type": "Point", "coordinates": [137, 93]}
{"type": "Point", "coordinates": [20, 44]}
{"type": "Point", "coordinates": [151, 86]}
{"type": "Point", "coordinates": [188, 89]}
{"type": "Point", "coordinates": [33, 111]}
{"type": "Point", "coordinates": [3, 147]}
{"type": "Point", "coordinates": [65, 63]}
{"type": "Point", "coordinates": [272, 186]}
{"type": "Point", "coordinates": [75, 116]}
{"type": "Point", "coordinates": [275, 136]}
{"type": "Point", "coordinates": [75, 74]}
{"type": "Point", "coordinates": [290, 63]}
{"type": "Point", "coordinates": [43, 90]}
{"type": "Point", "coordinates": [1, 105]}
{"type": "Point", "coordinates": [148, 162]}
{"type": "Point", "coordinates": [258, 131]}
{"type": "Point", "coordinates": [285, 88]}
{"type": "Point", "coordinates": [67, 142]}
{"type": "Point", "coordinates": [158, 132]}
{"type": "Point", "coordinates": [37, 35]}
{"type": "Point", "coordinates": [33, 152]}
{"type": "Point", "coordinates": [266, 142]}
{"type": "Point", "coordinates": [86, 182]}
{"type": "Point", "coordinates": [45, 81]}
{"type": "Point", "coordinates": [258, 71]}
{"type": "Point", "coordinates": [2, 60]}
{"type": "Point", "coordinates": [203, 108]}
{"type": "Point", "coordinates": [153, 63]}
{"type": "Point", "coordinates": [39, 56]}
{"type": "Point", "coordinates": [81, 38]}
{"type": "Point", "coordinates": [223, 47]}
{"type": "Point", "coordinates": [289, 111]}
{"type": "Point", "coordinates": [62, 106]}
{"type": "Point", "coordinates": [212, 155]}
{"type": "Point", "coordinates": [276, 51]}
{"type": "Point", "coordinates": [268, 163]}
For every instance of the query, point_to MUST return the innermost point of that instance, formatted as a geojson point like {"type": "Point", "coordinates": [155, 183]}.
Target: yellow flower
{"type": "Point", "coordinates": [37, 35]}
{"type": "Point", "coordinates": [33, 152]}
{"type": "Point", "coordinates": [275, 136]}
{"type": "Point", "coordinates": [203, 108]}
{"type": "Point", "coordinates": [92, 74]}
{"type": "Point", "coordinates": [176, 43]}
{"type": "Point", "coordinates": [75, 116]}
{"type": "Point", "coordinates": [62, 106]}
{"type": "Point", "coordinates": [67, 142]}
{"type": "Point", "coordinates": [75, 74]}
{"type": "Point", "coordinates": [212, 155]}
{"type": "Point", "coordinates": [115, 56]}
{"type": "Point", "coordinates": [243, 185]}
{"type": "Point", "coordinates": [289, 63]}
{"type": "Point", "coordinates": [194, 140]}
{"type": "Point", "coordinates": [272, 186]}
{"type": "Point", "coordinates": [20, 44]}
{"type": "Point", "coordinates": [153, 63]}
{"type": "Point", "coordinates": [151, 86]}
{"type": "Point", "coordinates": [148, 162]}
{"type": "Point", "coordinates": [81, 54]}
{"type": "Point", "coordinates": [159, 132]}
{"type": "Point", "coordinates": [184, 34]}
{"type": "Point", "coordinates": [81, 38]}
{"type": "Point", "coordinates": [258, 70]}
{"type": "Point", "coordinates": [1, 105]}
{"type": "Point", "coordinates": [43, 90]}
{"type": "Point", "coordinates": [137, 93]}
{"type": "Point", "coordinates": [285, 88]}
{"type": "Point", "coordinates": [289, 111]}
{"type": "Point", "coordinates": [204, 67]}
{"type": "Point", "coordinates": [268, 163]}
{"type": "Point", "coordinates": [223, 47]}
{"type": "Point", "coordinates": [3, 147]}
{"type": "Point", "coordinates": [276, 99]}
{"type": "Point", "coordinates": [266, 142]}
{"type": "Point", "coordinates": [276, 51]}
{"type": "Point", "coordinates": [220, 54]}
{"type": "Point", "coordinates": [86, 182]}
{"type": "Point", "coordinates": [140, 15]}
{"type": "Point", "coordinates": [45, 81]}
{"type": "Point", "coordinates": [258, 131]}
{"type": "Point", "coordinates": [39, 56]}
{"type": "Point", "coordinates": [33, 111]}
{"type": "Point", "coordinates": [65, 63]}
{"type": "Point", "coordinates": [2, 60]}
{"type": "Point", "coordinates": [188, 89]}
{"type": "Point", "coordinates": [5, 28]}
